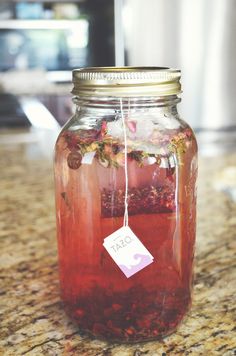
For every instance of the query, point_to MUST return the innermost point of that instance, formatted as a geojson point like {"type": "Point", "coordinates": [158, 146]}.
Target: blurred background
{"type": "Point", "coordinates": [42, 41]}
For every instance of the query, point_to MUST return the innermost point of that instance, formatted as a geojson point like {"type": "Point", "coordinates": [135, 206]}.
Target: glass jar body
{"type": "Point", "coordinates": [90, 194]}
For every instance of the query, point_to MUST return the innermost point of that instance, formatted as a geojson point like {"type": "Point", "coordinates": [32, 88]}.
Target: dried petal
{"type": "Point", "coordinates": [74, 159]}
{"type": "Point", "coordinates": [132, 126]}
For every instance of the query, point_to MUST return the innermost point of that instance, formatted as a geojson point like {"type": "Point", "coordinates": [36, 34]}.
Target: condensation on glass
{"type": "Point", "coordinates": [90, 195]}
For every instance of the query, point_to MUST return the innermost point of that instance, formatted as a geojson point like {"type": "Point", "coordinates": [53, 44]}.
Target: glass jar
{"type": "Point", "coordinates": [126, 159]}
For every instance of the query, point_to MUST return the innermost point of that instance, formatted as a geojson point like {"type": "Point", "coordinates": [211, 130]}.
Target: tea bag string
{"type": "Point", "coordinates": [126, 215]}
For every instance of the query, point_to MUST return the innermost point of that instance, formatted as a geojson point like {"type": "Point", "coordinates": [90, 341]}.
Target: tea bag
{"type": "Point", "coordinates": [124, 247]}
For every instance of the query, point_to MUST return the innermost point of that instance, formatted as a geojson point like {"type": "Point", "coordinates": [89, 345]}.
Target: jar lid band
{"type": "Point", "coordinates": [126, 81]}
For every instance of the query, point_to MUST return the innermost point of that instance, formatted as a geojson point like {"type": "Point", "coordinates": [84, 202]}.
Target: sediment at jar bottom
{"type": "Point", "coordinates": [132, 316]}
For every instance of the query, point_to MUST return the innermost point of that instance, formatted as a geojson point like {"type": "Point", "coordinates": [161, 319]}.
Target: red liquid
{"type": "Point", "coordinates": [90, 206]}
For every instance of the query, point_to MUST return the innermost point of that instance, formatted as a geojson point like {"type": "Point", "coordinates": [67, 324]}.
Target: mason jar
{"type": "Point", "coordinates": [125, 182]}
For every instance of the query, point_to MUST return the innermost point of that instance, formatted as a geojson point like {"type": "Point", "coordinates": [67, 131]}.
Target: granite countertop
{"type": "Point", "coordinates": [32, 318]}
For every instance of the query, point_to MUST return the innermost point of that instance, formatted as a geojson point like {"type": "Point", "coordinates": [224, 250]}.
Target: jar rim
{"type": "Point", "coordinates": [126, 81]}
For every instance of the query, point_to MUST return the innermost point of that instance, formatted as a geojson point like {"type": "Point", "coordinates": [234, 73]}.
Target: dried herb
{"type": "Point", "coordinates": [147, 200]}
{"type": "Point", "coordinates": [65, 198]}
{"type": "Point", "coordinates": [158, 159]}
{"type": "Point", "coordinates": [129, 316]}
{"type": "Point", "coordinates": [74, 160]}
{"type": "Point", "coordinates": [110, 151]}
{"type": "Point", "coordinates": [137, 156]}
{"type": "Point", "coordinates": [178, 144]}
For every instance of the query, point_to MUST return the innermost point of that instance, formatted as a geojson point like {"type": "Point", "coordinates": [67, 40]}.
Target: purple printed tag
{"type": "Point", "coordinates": [127, 251]}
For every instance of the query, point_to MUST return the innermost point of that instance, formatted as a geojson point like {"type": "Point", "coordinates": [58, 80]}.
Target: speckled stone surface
{"type": "Point", "coordinates": [32, 318]}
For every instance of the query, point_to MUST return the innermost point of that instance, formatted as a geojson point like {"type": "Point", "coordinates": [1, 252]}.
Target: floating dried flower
{"type": "Point", "coordinates": [104, 162]}
{"type": "Point", "coordinates": [188, 133]}
{"type": "Point", "coordinates": [158, 160]}
{"type": "Point", "coordinates": [103, 129]}
{"type": "Point", "coordinates": [132, 126]}
{"type": "Point", "coordinates": [74, 159]}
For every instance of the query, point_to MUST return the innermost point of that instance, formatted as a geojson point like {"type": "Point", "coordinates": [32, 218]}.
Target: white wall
{"type": "Point", "coordinates": [197, 36]}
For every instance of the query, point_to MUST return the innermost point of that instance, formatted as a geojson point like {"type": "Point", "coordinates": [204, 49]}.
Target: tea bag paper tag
{"type": "Point", "coordinates": [128, 252]}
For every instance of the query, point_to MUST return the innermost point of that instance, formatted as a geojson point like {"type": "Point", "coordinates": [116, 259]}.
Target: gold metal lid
{"type": "Point", "coordinates": [126, 81]}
